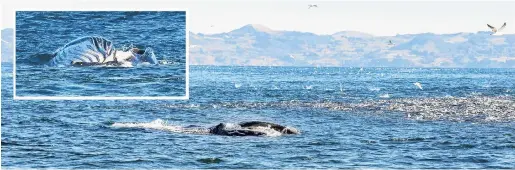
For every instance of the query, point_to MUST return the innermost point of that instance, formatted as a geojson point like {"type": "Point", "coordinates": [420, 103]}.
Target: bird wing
{"type": "Point", "coordinates": [491, 27]}
{"type": "Point", "coordinates": [502, 27]}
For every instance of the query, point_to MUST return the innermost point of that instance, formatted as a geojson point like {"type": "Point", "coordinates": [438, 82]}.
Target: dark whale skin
{"type": "Point", "coordinates": [220, 129]}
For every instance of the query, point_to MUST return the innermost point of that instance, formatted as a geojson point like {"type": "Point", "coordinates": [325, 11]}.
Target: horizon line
{"type": "Point", "coordinates": [332, 33]}
{"type": "Point", "coordinates": [266, 27]}
{"type": "Point", "coordinates": [297, 66]}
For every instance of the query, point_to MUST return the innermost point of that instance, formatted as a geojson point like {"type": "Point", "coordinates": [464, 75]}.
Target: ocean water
{"type": "Point", "coordinates": [348, 118]}
{"type": "Point", "coordinates": [44, 32]}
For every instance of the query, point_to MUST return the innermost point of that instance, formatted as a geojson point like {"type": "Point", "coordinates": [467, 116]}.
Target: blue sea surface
{"type": "Point", "coordinates": [39, 32]}
{"type": "Point", "coordinates": [339, 111]}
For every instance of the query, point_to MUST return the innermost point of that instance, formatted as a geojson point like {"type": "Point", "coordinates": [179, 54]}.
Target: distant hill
{"type": "Point", "coordinates": [258, 45]}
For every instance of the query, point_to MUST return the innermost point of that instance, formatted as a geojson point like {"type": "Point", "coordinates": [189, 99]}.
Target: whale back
{"type": "Point", "coordinates": [228, 129]}
{"type": "Point", "coordinates": [84, 50]}
{"type": "Point", "coordinates": [277, 127]}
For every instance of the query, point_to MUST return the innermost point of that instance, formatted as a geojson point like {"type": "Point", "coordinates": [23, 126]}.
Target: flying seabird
{"type": "Point", "coordinates": [312, 5]}
{"type": "Point", "coordinates": [495, 30]}
{"type": "Point", "coordinates": [418, 85]}
{"type": "Point", "coordinates": [391, 43]}
{"type": "Point", "coordinates": [7, 43]}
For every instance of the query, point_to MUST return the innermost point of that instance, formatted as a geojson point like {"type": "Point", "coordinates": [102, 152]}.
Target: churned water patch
{"type": "Point", "coordinates": [210, 160]}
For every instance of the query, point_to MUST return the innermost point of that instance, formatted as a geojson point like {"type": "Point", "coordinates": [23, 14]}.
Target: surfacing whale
{"type": "Point", "coordinates": [94, 51]}
{"type": "Point", "coordinates": [251, 128]}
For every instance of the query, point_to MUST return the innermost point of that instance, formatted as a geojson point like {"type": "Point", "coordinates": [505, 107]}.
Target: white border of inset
{"type": "Point", "coordinates": [187, 90]}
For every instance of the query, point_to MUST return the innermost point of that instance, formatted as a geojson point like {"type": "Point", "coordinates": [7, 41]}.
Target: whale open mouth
{"type": "Point", "coordinates": [95, 51]}
{"type": "Point", "coordinates": [146, 55]}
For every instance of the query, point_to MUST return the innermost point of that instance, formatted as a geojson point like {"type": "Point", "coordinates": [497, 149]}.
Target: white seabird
{"type": "Point", "coordinates": [7, 43]}
{"type": "Point", "coordinates": [496, 31]}
{"type": "Point", "coordinates": [418, 85]}
{"type": "Point", "coordinates": [312, 5]}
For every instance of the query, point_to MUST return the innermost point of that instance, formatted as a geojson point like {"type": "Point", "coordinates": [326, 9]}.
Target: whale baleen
{"type": "Point", "coordinates": [94, 50]}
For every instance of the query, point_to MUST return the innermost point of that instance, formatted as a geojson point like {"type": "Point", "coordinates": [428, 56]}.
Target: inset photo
{"type": "Point", "coordinates": [101, 55]}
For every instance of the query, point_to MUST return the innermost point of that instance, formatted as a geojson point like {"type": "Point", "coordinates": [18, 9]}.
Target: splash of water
{"type": "Point", "coordinates": [159, 124]}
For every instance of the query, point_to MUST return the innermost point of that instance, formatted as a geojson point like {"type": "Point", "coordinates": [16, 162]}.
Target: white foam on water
{"type": "Point", "coordinates": [472, 108]}
{"type": "Point", "coordinates": [384, 95]}
{"type": "Point", "coordinates": [194, 105]}
{"type": "Point", "coordinates": [157, 124]}
{"type": "Point", "coordinates": [475, 94]}
{"type": "Point", "coordinates": [164, 62]}
{"type": "Point", "coordinates": [237, 85]}
{"type": "Point", "coordinates": [448, 96]}
{"type": "Point", "coordinates": [374, 89]}
{"type": "Point", "coordinates": [275, 87]}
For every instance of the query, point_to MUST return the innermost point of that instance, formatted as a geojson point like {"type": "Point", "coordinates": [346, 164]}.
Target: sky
{"type": "Point", "coordinates": [380, 18]}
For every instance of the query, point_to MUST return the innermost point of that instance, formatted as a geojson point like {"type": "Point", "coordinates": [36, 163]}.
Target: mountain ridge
{"type": "Point", "coordinates": [257, 45]}
{"type": "Point", "coordinates": [351, 48]}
